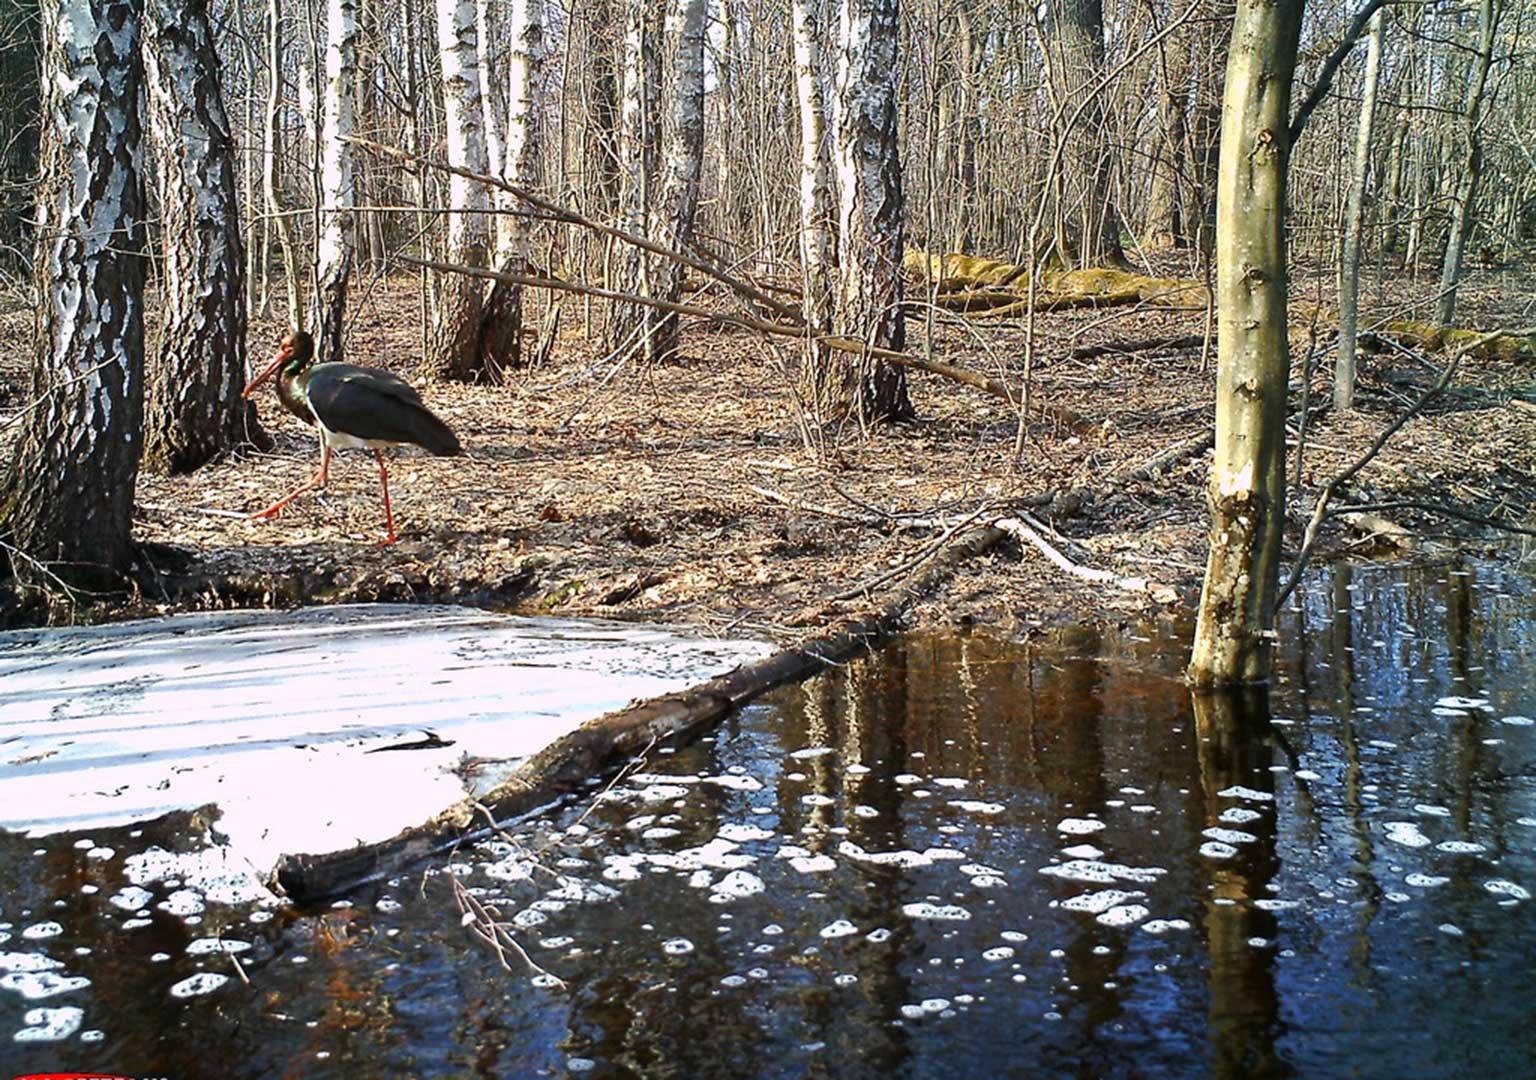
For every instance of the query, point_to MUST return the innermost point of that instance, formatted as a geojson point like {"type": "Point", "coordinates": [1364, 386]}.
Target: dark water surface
{"type": "Point", "coordinates": [965, 857]}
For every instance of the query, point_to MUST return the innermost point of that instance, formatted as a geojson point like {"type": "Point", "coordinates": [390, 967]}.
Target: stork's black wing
{"type": "Point", "coordinates": [373, 404]}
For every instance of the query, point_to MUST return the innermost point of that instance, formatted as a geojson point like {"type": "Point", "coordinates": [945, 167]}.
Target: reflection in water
{"type": "Point", "coordinates": [965, 857]}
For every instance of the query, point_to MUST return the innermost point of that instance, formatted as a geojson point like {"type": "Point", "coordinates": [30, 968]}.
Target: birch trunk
{"type": "Point", "coordinates": [685, 161]}
{"type": "Point", "coordinates": [1247, 485]}
{"type": "Point", "coordinates": [67, 500]}
{"type": "Point", "coordinates": [271, 158]}
{"type": "Point", "coordinates": [193, 411]}
{"type": "Point", "coordinates": [634, 325]}
{"type": "Point", "coordinates": [1471, 163]}
{"type": "Point", "coordinates": [333, 261]}
{"type": "Point", "coordinates": [870, 210]}
{"type": "Point", "coordinates": [817, 241]}
{"type": "Point", "coordinates": [1354, 215]}
{"type": "Point", "coordinates": [502, 336]}
{"type": "Point", "coordinates": [455, 350]}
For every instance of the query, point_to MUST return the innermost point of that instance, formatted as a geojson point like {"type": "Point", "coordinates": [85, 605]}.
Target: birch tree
{"type": "Point", "coordinates": [1247, 483]}
{"type": "Point", "coordinates": [1470, 165]}
{"type": "Point", "coordinates": [634, 325]}
{"type": "Point", "coordinates": [337, 226]}
{"type": "Point", "coordinates": [817, 207]}
{"type": "Point", "coordinates": [193, 411]}
{"type": "Point", "coordinates": [455, 349]}
{"type": "Point", "coordinates": [685, 159]}
{"type": "Point", "coordinates": [502, 337]}
{"type": "Point", "coordinates": [871, 214]}
{"type": "Point", "coordinates": [1354, 216]}
{"type": "Point", "coordinates": [68, 498]}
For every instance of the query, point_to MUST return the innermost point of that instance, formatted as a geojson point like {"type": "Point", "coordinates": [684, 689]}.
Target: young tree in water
{"type": "Point", "coordinates": [68, 498]}
{"type": "Point", "coordinates": [1247, 485]}
{"type": "Point", "coordinates": [193, 410]}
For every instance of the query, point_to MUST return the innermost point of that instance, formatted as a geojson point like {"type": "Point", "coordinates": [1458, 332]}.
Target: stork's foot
{"type": "Point", "coordinates": [265, 515]}
{"type": "Point", "coordinates": [388, 540]}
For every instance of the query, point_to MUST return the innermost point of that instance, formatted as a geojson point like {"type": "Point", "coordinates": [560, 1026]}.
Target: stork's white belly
{"type": "Point", "coordinates": [340, 440]}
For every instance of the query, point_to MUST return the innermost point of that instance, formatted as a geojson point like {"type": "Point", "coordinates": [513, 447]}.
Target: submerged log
{"type": "Point", "coordinates": [572, 762]}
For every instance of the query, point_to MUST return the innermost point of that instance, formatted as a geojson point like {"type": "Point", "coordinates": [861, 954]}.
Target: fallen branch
{"type": "Point", "coordinates": [1031, 532]}
{"type": "Point", "coordinates": [569, 764]}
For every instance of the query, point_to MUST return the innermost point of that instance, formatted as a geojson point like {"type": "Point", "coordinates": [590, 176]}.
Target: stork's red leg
{"type": "Point", "coordinates": [316, 482]}
{"type": "Point", "coordinates": [389, 515]}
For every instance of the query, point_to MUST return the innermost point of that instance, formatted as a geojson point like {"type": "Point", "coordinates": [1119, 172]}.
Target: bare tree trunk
{"type": "Point", "coordinates": [634, 325]}
{"type": "Point", "coordinates": [1089, 227]}
{"type": "Point", "coordinates": [1247, 485]}
{"type": "Point", "coordinates": [193, 411]}
{"type": "Point", "coordinates": [1165, 224]}
{"type": "Point", "coordinates": [502, 332]}
{"type": "Point", "coordinates": [271, 158]}
{"type": "Point", "coordinates": [455, 351]}
{"type": "Point", "coordinates": [871, 213]}
{"type": "Point", "coordinates": [1349, 270]}
{"type": "Point", "coordinates": [1462, 216]}
{"type": "Point", "coordinates": [818, 244]}
{"type": "Point", "coordinates": [68, 498]}
{"type": "Point", "coordinates": [337, 227]}
{"type": "Point", "coordinates": [685, 160]}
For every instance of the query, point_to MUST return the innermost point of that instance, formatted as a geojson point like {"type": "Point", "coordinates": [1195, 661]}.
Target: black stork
{"type": "Point", "coordinates": [354, 408]}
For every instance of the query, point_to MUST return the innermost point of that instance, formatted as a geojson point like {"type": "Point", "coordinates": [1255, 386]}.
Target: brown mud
{"type": "Point", "coordinates": [684, 493]}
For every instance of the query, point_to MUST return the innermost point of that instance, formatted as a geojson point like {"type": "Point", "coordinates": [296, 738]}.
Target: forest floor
{"type": "Point", "coordinates": [686, 493]}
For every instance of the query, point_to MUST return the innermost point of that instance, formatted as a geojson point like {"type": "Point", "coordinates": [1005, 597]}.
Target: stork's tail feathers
{"type": "Point", "coordinates": [436, 437]}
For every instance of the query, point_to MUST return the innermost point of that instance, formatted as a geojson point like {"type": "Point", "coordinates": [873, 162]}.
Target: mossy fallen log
{"type": "Point", "coordinates": [994, 289]}
{"type": "Point", "coordinates": [1432, 338]}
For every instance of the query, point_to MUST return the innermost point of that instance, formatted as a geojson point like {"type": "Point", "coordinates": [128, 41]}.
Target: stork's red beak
{"type": "Point", "coordinates": [277, 361]}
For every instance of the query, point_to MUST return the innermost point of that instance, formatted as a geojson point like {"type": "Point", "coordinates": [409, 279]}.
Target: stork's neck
{"type": "Point", "coordinates": [291, 391]}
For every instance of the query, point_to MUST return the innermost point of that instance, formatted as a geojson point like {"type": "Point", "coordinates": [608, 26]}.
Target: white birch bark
{"type": "Point", "coordinates": [1354, 215]}
{"type": "Point", "coordinates": [685, 157]}
{"type": "Point", "coordinates": [193, 409]}
{"type": "Point", "coordinates": [502, 338]}
{"type": "Point", "coordinates": [337, 240]}
{"type": "Point", "coordinates": [456, 337]}
{"type": "Point", "coordinates": [67, 498]}
{"type": "Point", "coordinates": [817, 241]}
{"type": "Point", "coordinates": [485, 59]}
{"type": "Point", "coordinates": [633, 325]}
{"type": "Point", "coordinates": [871, 211]}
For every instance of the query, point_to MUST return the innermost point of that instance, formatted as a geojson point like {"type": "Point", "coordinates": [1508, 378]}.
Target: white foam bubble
{"type": "Point", "coordinates": [1123, 915]}
{"type": "Point", "coordinates": [813, 864]}
{"type": "Point", "coordinates": [1517, 721]}
{"type": "Point", "coordinates": [1502, 887]}
{"type": "Point", "coordinates": [1215, 849]}
{"type": "Point", "coordinates": [204, 982]}
{"type": "Point", "coordinates": [1082, 851]}
{"type": "Point", "coordinates": [37, 985]}
{"type": "Point", "coordinates": [203, 946]}
{"type": "Point", "coordinates": [806, 753]}
{"type": "Point", "coordinates": [41, 930]}
{"type": "Point", "coordinates": [736, 885]}
{"type": "Point", "coordinates": [678, 946]}
{"type": "Point", "coordinates": [1163, 926]}
{"type": "Point", "coordinates": [1229, 836]}
{"type": "Point", "coordinates": [1429, 810]}
{"type": "Point", "coordinates": [1425, 881]}
{"type": "Point", "coordinates": [1462, 702]}
{"type": "Point", "coordinates": [999, 952]}
{"type": "Point", "coordinates": [1093, 871]}
{"type": "Point", "coordinates": [1238, 791]}
{"type": "Point", "coordinates": [742, 834]}
{"type": "Point", "coordinates": [1097, 902]}
{"type": "Point", "coordinates": [817, 799]}
{"type": "Point", "coordinates": [735, 783]}
{"type": "Point", "coordinates": [1406, 833]}
{"type": "Point", "coordinates": [50, 1025]}
{"type": "Point", "coordinates": [838, 929]}
{"type": "Point", "coordinates": [1239, 815]}
{"type": "Point", "coordinates": [1079, 826]}
{"type": "Point", "coordinates": [950, 781]}
{"type": "Point", "coordinates": [976, 806]}
{"type": "Point", "coordinates": [941, 912]}
{"type": "Point", "coordinates": [1460, 847]}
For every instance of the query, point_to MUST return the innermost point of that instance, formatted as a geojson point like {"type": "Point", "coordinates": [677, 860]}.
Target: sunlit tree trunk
{"type": "Point", "coordinates": [333, 270]}
{"type": "Point", "coordinates": [817, 240]}
{"type": "Point", "coordinates": [68, 498]}
{"type": "Point", "coordinates": [1354, 216]}
{"type": "Point", "coordinates": [271, 163]}
{"type": "Point", "coordinates": [1247, 484]}
{"type": "Point", "coordinates": [1471, 163]}
{"type": "Point", "coordinates": [1165, 224]}
{"type": "Point", "coordinates": [455, 349]}
{"type": "Point", "coordinates": [193, 411]}
{"type": "Point", "coordinates": [685, 159]}
{"type": "Point", "coordinates": [870, 210]}
{"type": "Point", "coordinates": [502, 342]}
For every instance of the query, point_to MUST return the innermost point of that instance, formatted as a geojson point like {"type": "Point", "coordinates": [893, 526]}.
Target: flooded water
{"type": "Point", "coordinates": [965, 857]}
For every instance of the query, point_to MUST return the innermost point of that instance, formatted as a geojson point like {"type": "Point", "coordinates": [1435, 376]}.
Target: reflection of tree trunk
{"type": "Point", "coordinates": [1235, 748]}
{"type": "Point", "coordinates": [1343, 652]}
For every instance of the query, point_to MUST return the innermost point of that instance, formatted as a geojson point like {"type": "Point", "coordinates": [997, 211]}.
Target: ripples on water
{"type": "Point", "coordinates": [965, 857]}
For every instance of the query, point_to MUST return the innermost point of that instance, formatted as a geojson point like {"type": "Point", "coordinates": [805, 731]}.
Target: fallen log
{"type": "Point", "coordinates": [569, 765]}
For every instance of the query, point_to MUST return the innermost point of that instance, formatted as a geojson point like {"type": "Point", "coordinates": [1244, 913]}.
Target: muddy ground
{"type": "Point", "coordinates": [665, 494]}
